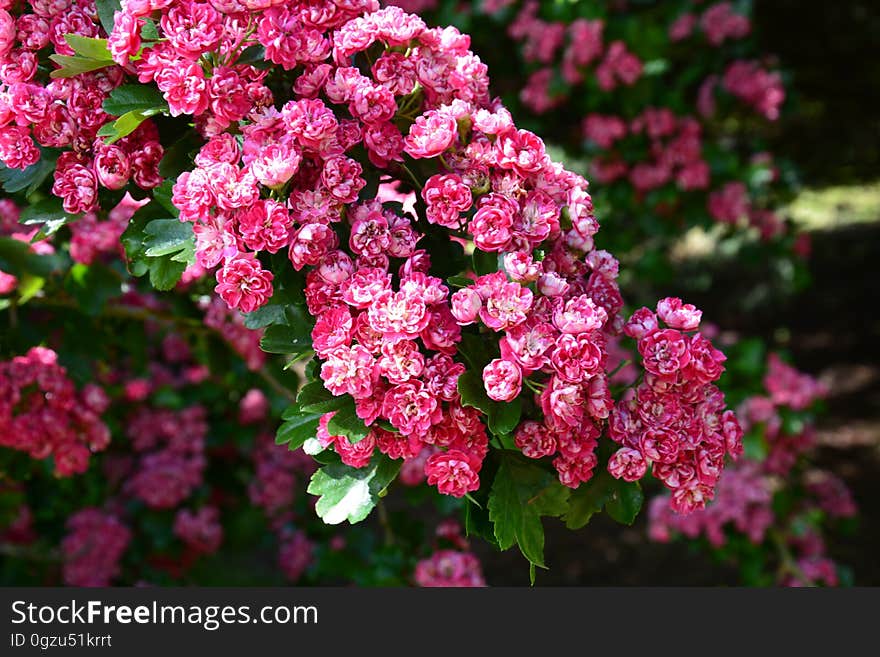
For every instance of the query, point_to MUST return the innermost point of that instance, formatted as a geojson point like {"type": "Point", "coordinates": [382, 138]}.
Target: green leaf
{"type": "Point", "coordinates": [134, 98]}
{"type": "Point", "coordinates": [521, 493]}
{"type": "Point", "coordinates": [271, 313]}
{"type": "Point", "coordinates": [16, 258]}
{"type": "Point", "coordinates": [106, 11]}
{"type": "Point", "coordinates": [588, 499]}
{"type": "Point", "coordinates": [49, 213]}
{"type": "Point", "coordinates": [177, 157]}
{"type": "Point", "coordinates": [285, 339]}
{"type": "Point", "coordinates": [297, 429]}
{"type": "Point", "coordinates": [170, 237]}
{"type": "Point", "coordinates": [165, 273]}
{"type": "Point", "coordinates": [470, 387]}
{"type": "Point", "coordinates": [475, 351]}
{"type": "Point", "coordinates": [28, 287]}
{"type": "Point", "coordinates": [89, 47]}
{"type": "Point", "coordinates": [149, 32]}
{"type": "Point", "coordinates": [345, 422]}
{"type": "Point", "coordinates": [347, 493]}
{"type": "Point", "coordinates": [625, 502]}
{"type": "Point", "coordinates": [504, 416]}
{"type": "Point", "coordinates": [92, 286]}
{"type": "Point", "coordinates": [163, 194]}
{"type": "Point", "coordinates": [459, 281]}
{"type": "Point", "coordinates": [158, 245]}
{"type": "Point", "coordinates": [16, 180]}
{"type": "Point", "coordinates": [125, 124]}
{"type": "Point", "coordinates": [252, 55]}
{"type": "Point", "coordinates": [72, 65]}
{"type": "Point", "coordinates": [315, 398]}
{"type": "Point", "coordinates": [485, 262]}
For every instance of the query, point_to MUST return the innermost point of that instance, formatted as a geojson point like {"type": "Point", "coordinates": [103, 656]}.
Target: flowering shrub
{"type": "Point", "coordinates": [138, 444]}
{"type": "Point", "coordinates": [664, 104]}
{"type": "Point", "coordinates": [360, 198]}
{"type": "Point", "coordinates": [773, 507]}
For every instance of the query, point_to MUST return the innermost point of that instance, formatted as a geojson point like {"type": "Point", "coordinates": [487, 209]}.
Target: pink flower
{"type": "Point", "coordinates": [520, 150]}
{"type": "Point", "coordinates": [125, 39]}
{"type": "Point", "coordinates": [528, 343]}
{"type": "Point", "coordinates": [576, 359]}
{"type": "Point", "coordinates": [534, 440]}
{"type": "Point", "coordinates": [502, 380]}
{"type": "Point", "coordinates": [665, 352]}
{"type": "Point", "coordinates": [466, 304]}
{"type": "Point", "coordinates": [563, 404]}
{"type": "Point", "coordinates": [349, 370]}
{"type": "Point", "coordinates": [627, 464]}
{"type": "Point", "coordinates": [451, 473]}
{"type": "Point", "coordinates": [243, 283]}
{"type": "Point", "coordinates": [492, 222]}
{"type": "Point", "coordinates": [505, 305]}
{"type": "Point", "coordinates": [411, 408]}
{"type": "Point", "coordinates": [77, 186]}
{"type": "Point", "coordinates": [17, 149]}
{"type": "Point", "coordinates": [356, 455]}
{"type": "Point", "coordinates": [275, 164]}
{"type": "Point", "coordinates": [265, 226]}
{"type": "Point", "coordinates": [310, 244]}
{"type": "Point", "coordinates": [201, 531]}
{"type": "Point", "coordinates": [579, 315]}
{"type": "Point", "coordinates": [447, 197]}
{"type": "Point", "coordinates": [333, 328]}
{"type": "Point", "coordinates": [112, 166]}
{"type": "Point", "coordinates": [682, 27]}
{"type": "Point", "coordinates": [431, 134]}
{"type": "Point", "coordinates": [448, 568]}
{"type": "Point", "coordinates": [706, 362]}
{"type": "Point", "coordinates": [192, 27]}
{"type": "Point", "coordinates": [678, 315]}
{"type": "Point", "coordinates": [398, 315]}
{"type": "Point", "coordinates": [185, 88]}
{"type": "Point", "coordinates": [369, 234]}
{"type": "Point", "coordinates": [401, 361]}
{"type": "Point", "coordinates": [604, 130]}
{"type": "Point", "coordinates": [342, 178]}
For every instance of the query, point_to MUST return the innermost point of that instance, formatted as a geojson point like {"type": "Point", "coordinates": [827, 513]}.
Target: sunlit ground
{"type": "Point", "coordinates": [830, 207]}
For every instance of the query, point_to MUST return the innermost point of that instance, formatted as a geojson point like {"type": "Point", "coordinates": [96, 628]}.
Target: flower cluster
{"type": "Point", "coordinates": [389, 333]}
{"type": "Point", "coordinates": [276, 474]}
{"type": "Point", "coordinates": [449, 568]}
{"type": "Point", "coordinates": [42, 413]}
{"type": "Point", "coordinates": [295, 554]}
{"type": "Point", "coordinates": [171, 454]}
{"type": "Point", "coordinates": [94, 545]}
{"type": "Point", "coordinates": [9, 227]}
{"type": "Point", "coordinates": [64, 111]}
{"type": "Point", "coordinates": [200, 530]}
{"type": "Point", "coordinates": [449, 565]}
{"type": "Point", "coordinates": [744, 502]}
{"type": "Point", "coordinates": [675, 150]}
{"type": "Point", "coordinates": [657, 137]}
{"type": "Point", "coordinates": [675, 420]}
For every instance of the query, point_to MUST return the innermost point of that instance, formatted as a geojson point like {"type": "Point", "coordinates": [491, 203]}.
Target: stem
{"type": "Point", "coordinates": [412, 176]}
{"type": "Point", "coordinates": [276, 385]}
{"type": "Point", "coordinates": [535, 386]}
{"type": "Point", "coordinates": [619, 367]}
{"type": "Point", "coordinates": [385, 521]}
{"type": "Point", "coordinates": [182, 323]}
{"type": "Point", "coordinates": [24, 552]}
{"type": "Point", "coordinates": [787, 563]}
